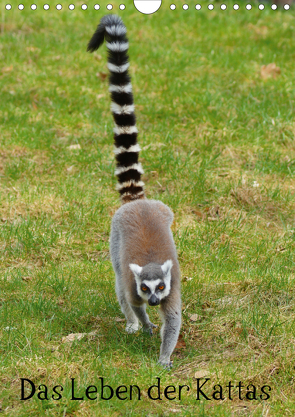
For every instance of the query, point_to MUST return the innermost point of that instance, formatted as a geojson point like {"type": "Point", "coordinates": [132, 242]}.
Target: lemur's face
{"type": "Point", "coordinates": [153, 281]}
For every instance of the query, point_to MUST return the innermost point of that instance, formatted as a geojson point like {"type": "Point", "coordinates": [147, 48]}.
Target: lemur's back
{"type": "Point", "coordinates": [144, 231]}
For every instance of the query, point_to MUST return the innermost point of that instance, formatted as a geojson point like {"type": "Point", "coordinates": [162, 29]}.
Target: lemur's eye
{"type": "Point", "coordinates": [161, 287]}
{"type": "Point", "coordinates": [144, 288]}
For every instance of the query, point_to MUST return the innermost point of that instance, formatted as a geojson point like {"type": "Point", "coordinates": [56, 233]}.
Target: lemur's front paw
{"type": "Point", "coordinates": [150, 327]}
{"type": "Point", "coordinates": [166, 363]}
{"type": "Point", "coordinates": [132, 327]}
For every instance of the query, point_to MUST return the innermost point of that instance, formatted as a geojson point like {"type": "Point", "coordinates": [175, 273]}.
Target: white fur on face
{"type": "Point", "coordinates": [136, 269]}
{"type": "Point", "coordinates": [167, 289]}
{"type": "Point", "coordinates": [166, 268]}
{"type": "Point", "coordinates": [152, 284]}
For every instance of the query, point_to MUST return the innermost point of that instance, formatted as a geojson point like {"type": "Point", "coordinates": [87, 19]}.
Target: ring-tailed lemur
{"type": "Point", "coordinates": [140, 232]}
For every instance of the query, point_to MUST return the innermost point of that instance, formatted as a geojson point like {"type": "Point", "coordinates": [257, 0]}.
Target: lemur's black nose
{"type": "Point", "coordinates": [153, 300]}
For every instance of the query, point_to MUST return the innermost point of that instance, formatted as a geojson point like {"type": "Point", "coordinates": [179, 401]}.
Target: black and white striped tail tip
{"type": "Point", "coordinates": [109, 25]}
{"type": "Point", "coordinates": [129, 170]}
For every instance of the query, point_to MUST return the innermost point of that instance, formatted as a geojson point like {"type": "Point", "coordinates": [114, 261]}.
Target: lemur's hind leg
{"type": "Point", "coordinates": [141, 314]}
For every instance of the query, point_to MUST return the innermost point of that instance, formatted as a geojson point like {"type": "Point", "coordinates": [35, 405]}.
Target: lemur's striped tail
{"type": "Point", "coordinates": [129, 170]}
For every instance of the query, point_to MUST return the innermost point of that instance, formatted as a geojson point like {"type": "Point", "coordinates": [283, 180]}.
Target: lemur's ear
{"type": "Point", "coordinates": [136, 269]}
{"type": "Point", "coordinates": [166, 267]}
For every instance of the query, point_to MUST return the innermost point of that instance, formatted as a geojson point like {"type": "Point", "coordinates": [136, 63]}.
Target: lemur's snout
{"type": "Point", "coordinates": [153, 300]}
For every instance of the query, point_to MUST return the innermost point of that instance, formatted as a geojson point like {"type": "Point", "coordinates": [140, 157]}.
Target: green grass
{"type": "Point", "coordinates": [218, 148]}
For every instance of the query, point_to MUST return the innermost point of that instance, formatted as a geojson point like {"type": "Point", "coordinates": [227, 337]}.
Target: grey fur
{"type": "Point", "coordinates": [141, 236]}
